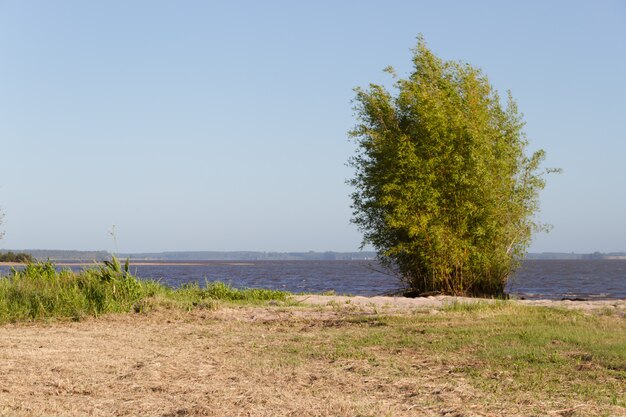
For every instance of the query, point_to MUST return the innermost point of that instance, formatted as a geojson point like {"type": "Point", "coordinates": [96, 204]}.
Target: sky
{"type": "Point", "coordinates": [221, 125]}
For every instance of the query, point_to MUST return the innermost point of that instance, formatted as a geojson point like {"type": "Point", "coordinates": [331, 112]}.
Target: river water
{"type": "Point", "coordinates": [536, 279]}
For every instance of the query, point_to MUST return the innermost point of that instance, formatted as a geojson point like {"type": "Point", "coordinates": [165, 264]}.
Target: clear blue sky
{"type": "Point", "coordinates": [196, 125]}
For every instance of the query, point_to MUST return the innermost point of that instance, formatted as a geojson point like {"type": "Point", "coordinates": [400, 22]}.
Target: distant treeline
{"type": "Point", "coordinates": [16, 257]}
{"type": "Point", "coordinates": [74, 255]}
{"type": "Point", "coordinates": [250, 256]}
{"type": "Point", "coordinates": [65, 255]}
{"type": "Point", "coordinates": [562, 255]}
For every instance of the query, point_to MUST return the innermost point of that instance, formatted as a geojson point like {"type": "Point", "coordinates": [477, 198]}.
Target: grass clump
{"type": "Point", "coordinates": [40, 291]}
{"type": "Point", "coordinates": [221, 291]}
{"type": "Point", "coordinates": [475, 306]}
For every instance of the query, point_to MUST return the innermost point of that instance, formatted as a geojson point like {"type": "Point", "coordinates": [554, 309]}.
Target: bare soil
{"type": "Point", "coordinates": [226, 362]}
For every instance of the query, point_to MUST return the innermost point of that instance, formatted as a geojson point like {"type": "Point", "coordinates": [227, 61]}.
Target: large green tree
{"type": "Point", "coordinates": [443, 187]}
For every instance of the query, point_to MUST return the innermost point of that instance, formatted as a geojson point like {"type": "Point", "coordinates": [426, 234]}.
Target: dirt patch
{"type": "Point", "coordinates": [190, 364]}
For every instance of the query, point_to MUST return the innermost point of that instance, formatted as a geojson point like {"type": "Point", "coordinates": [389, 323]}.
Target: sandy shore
{"type": "Point", "coordinates": [403, 303]}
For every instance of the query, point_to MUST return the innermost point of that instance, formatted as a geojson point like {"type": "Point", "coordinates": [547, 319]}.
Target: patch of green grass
{"type": "Point", "coordinates": [39, 291]}
{"type": "Point", "coordinates": [221, 291]}
{"type": "Point", "coordinates": [475, 306]}
{"type": "Point", "coordinates": [504, 349]}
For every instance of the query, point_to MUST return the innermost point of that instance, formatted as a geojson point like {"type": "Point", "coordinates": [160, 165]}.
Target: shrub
{"type": "Point", "coordinates": [443, 188]}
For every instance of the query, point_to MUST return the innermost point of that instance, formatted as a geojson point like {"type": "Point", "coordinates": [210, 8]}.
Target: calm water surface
{"type": "Point", "coordinates": [552, 279]}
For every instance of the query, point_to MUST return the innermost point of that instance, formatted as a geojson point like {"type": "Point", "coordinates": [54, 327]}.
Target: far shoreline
{"type": "Point", "coordinates": [138, 263]}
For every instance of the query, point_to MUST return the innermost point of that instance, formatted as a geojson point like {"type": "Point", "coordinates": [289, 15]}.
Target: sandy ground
{"type": "Point", "coordinates": [402, 304]}
{"type": "Point", "coordinates": [208, 363]}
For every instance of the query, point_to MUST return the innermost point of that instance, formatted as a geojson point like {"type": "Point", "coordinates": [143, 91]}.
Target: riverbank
{"type": "Point", "coordinates": [321, 355]}
{"type": "Point", "coordinates": [541, 279]}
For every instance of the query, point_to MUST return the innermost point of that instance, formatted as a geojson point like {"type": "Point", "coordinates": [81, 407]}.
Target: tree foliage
{"type": "Point", "coordinates": [444, 189]}
{"type": "Point", "coordinates": [16, 257]}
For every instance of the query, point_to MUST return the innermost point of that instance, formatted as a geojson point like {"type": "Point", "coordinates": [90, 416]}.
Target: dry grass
{"type": "Point", "coordinates": [276, 361]}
